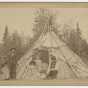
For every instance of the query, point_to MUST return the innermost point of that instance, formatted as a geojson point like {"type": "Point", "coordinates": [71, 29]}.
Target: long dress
{"type": "Point", "coordinates": [4, 73]}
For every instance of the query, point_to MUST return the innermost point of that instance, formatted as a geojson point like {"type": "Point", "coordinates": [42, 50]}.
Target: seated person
{"type": "Point", "coordinates": [52, 74]}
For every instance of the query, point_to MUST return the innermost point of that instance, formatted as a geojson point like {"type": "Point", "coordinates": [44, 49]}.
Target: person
{"type": "Point", "coordinates": [31, 71]}
{"type": "Point", "coordinates": [4, 72]}
{"type": "Point", "coordinates": [12, 63]}
{"type": "Point", "coordinates": [41, 67]}
{"type": "Point", "coordinates": [43, 71]}
{"type": "Point", "coordinates": [53, 72]}
{"type": "Point", "coordinates": [38, 62]}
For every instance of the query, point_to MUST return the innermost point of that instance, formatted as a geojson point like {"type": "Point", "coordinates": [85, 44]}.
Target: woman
{"type": "Point", "coordinates": [52, 74]}
{"type": "Point", "coordinates": [31, 71]}
{"type": "Point", "coordinates": [4, 71]}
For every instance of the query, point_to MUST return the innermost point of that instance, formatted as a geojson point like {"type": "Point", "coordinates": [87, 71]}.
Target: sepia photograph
{"type": "Point", "coordinates": [44, 43]}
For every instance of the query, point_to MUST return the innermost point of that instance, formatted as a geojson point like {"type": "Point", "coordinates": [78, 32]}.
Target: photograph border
{"type": "Point", "coordinates": [44, 5]}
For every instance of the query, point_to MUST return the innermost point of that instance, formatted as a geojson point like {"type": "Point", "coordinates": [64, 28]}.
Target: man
{"type": "Point", "coordinates": [12, 62]}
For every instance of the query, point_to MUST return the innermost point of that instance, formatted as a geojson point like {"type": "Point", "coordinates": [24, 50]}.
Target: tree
{"type": "Point", "coordinates": [16, 42]}
{"type": "Point", "coordinates": [6, 40]}
{"type": "Point", "coordinates": [5, 37]}
{"type": "Point", "coordinates": [76, 43]}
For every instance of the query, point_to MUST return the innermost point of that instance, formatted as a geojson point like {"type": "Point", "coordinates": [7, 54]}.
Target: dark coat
{"type": "Point", "coordinates": [12, 62]}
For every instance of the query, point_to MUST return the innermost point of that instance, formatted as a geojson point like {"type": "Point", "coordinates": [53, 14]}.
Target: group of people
{"type": "Point", "coordinates": [36, 69]}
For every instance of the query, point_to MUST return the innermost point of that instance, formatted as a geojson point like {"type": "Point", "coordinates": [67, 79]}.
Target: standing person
{"type": "Point", "coordinates": [12, 64]}
{"type": "Point", "coordinates": [53, 72]}
{"type": "Point", "coordinates": [4, 72]}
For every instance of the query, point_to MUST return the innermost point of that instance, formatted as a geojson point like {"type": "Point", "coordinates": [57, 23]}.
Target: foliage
{"type": "Point", "coordinates": [74, 40]}
{"type": "Point", "coordinates": [12, 41]}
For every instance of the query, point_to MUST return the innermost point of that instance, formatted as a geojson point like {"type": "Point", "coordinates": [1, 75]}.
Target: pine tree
{"type": "Point", "coordinates": [6, 40]}
{"type": "Point", "coordinates": [6, 34]}
{"type": "Point", "coordinates": [16, 42]}
{"type": "Point", "coordinates": [78, 29]}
